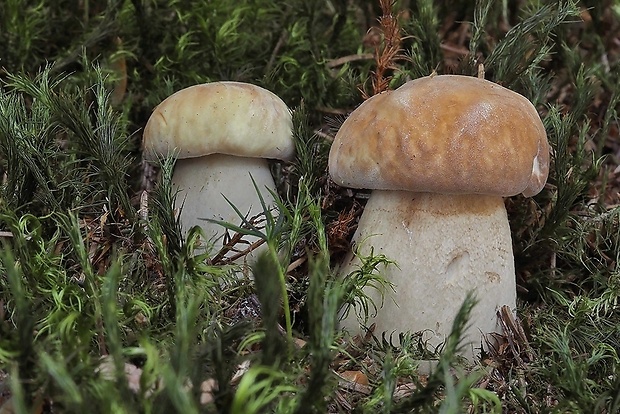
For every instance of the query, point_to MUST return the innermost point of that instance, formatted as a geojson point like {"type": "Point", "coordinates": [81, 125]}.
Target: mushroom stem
{"type": "Point", "coordinates": [444, 246]}
{"type": "Point", "coordinates": [202, 183]}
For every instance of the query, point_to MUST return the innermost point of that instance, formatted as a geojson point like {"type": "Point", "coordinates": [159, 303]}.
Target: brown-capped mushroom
{"type": "Point", "coordinates": [440, 153]}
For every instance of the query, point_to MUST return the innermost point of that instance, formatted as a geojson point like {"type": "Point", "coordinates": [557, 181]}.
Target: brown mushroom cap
{"type": "Point", "coordinates": [445, 134]}
{"type": "Point", "coordinates": [231, 118]}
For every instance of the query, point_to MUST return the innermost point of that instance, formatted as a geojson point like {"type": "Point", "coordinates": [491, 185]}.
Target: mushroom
{"type": "Point", "coordinates": [222, 134]}
{"type": "Point", "coordinates": [440, 153]}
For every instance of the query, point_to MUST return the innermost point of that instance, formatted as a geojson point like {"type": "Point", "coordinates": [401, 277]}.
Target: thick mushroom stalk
{"type": "Point", "coordinates": [444, 246]}
{"type": "Point", "coordinates": [209, 197]}
{"type": "Point", "coordinates": [440, 154]}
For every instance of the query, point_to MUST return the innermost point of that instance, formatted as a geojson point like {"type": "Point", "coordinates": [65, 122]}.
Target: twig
{"type": "Point", "coordinates": [281, 42]}
{"type": "Point", "coordinates": [229, 245]}
{"type": "Point", "coordinates": [296, 264]}
{"type": "Point", "coordinates": [454, 49]}
{"type": "Point", "coordinates": [334, 63]}
{"type": "Point", "coordinates": [245, 252]}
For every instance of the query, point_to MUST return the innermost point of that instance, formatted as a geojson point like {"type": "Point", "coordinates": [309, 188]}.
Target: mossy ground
{"type": "Point", "coordinates": [97, 280]}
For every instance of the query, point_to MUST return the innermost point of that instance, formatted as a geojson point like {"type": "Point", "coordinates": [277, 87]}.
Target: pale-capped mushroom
{"type": "Point", "coordinates": [223, 133]}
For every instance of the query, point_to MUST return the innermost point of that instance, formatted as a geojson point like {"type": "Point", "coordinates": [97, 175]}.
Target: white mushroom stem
{"type": "Point", "coordinates": [444, 246]}
{"type": "Point", "coordinates": [204, 181]}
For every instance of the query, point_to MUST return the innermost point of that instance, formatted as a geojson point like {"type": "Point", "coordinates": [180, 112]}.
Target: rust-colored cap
{"type": "Point", "coordinates": [231, 118]}
{"type": "Point", "coordinates": [445, 134]}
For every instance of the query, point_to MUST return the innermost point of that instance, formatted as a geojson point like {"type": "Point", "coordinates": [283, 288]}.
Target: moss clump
{"type": "Point", "coordinates": [97, 280]}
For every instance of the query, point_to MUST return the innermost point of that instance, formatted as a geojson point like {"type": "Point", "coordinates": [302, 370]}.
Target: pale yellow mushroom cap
{"type": "Point", "coordinates": [231, 118]}
{"type": "Point", "coordinates": [445, 134]}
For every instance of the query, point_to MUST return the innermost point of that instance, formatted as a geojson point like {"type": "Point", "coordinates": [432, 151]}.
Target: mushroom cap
{"type": "Point", "coordinates": [445, 134]}
{"type": "Point", "coordinates": [231, 118]}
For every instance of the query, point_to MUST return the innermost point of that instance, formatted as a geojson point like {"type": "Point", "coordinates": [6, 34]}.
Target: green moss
{"type": "Point", "coordinates": [92, 267]}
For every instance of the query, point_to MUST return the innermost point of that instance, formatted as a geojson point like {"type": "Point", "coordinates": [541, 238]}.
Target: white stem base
{"type": "Point", "coordinates": [444, 246]}
{"type": "Point", "coordinates": [203, 182]}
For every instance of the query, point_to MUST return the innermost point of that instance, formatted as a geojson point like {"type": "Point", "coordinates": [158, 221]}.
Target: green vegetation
{"type": "Point", "coordinates": [107, 306]}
